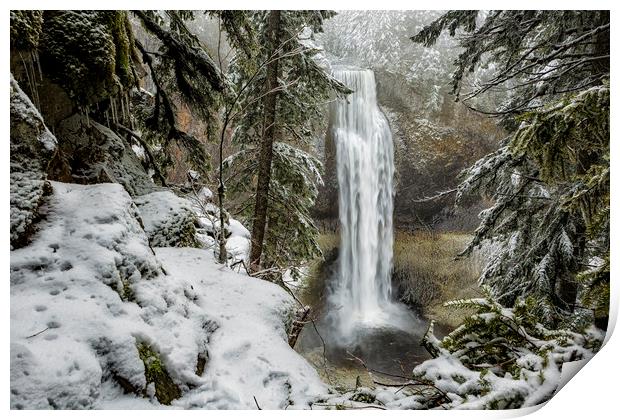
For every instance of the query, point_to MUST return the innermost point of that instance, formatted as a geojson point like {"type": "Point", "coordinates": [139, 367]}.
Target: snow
{"type": "Point", "coordinates": [248, 352]}
{"type": "Point", "coordinates": [207, 213]}
{"type": "Point", "coordinates": [89, 288]}
{"type": "Point", "coordinates": [32, 147]}
{"type": "Point", "coordinates": [139, 151]}
{"type": "Point", "coordinates": [22, 105]}
{"type": "Point", "coordinates": [64, 289]}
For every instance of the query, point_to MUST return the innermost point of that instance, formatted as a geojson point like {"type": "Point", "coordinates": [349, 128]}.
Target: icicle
{"type": "Point", "coordinates": [33, 91]}
{"type": "Point", "coordinates": [129, 110]}
{"type": "Point", "coordinates": [107, 119]}
{"type": "Point", "coordinates": [122, 110]}
{"type": "Point", "coordinates": [35, 86]}
{"type": "Point", "coordinates": [36, 54]}
{"type": "Point", "coordinates": [87, 117]}
{"type": "Point", "coordinates": [113, 109]}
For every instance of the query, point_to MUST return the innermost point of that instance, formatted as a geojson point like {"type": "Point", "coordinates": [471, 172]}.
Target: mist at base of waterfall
{"type": "Point", "coordinates": [388, 345]}
{"type": "Point", "coordinates": [350, 328]}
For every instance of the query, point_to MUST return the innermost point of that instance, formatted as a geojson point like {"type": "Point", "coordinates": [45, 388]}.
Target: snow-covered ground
{"type": "Point", "coordinates": [238, 237]}
{"type": "Point", "coordinates": [97, 313]}
{"type": "Point", "coordinates": [89, 290]}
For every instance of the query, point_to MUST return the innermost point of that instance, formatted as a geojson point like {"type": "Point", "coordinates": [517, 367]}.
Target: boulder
{"type": "Point", "coordinates": [92, 153]}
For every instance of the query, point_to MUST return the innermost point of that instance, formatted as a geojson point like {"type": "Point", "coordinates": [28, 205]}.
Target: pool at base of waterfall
{"type": "Point", "coordinates": [388, 351]}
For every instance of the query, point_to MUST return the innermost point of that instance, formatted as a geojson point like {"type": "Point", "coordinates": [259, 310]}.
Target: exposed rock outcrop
{"type": "Point", "coordinates": [92, 153]}
{"type": "Point", "coordinates": [32, 148]}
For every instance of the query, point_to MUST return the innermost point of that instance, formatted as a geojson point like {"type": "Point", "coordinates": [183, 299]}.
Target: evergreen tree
{"type": "Point", "coordinates": [498, 358]}
{"type": "Point", "coordinates": [181, 70]}
{"type": "Point", "coordinates": [272, 73]}
{"type": "Point", "coordinates": [550, 180]}
{"type": "Point", "coordinates": [286, 92]}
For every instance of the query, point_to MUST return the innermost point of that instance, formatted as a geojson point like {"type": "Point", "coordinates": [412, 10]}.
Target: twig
{"type": "Point", "coordinates": [40, 332]}
{"type": "Point", "coordinates": [256, 402]}
{"type": "Point", "coordinates": [412, 381]}
{"type": "Point", "coordinates": [435, 197]}
{"type": "Point", "coordinates": [147, 151]}
{"type": "Point", "coordinates": [351, 407]}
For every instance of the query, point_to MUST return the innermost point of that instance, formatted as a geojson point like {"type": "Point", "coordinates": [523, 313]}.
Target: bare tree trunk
{"type": "Point", "coordinates": [266, 150]}
{"type": "Point", "coordinates": [221, 190]}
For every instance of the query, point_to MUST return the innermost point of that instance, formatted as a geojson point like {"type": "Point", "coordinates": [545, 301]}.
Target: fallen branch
{"type": "Point", "coordinates": [298, 324]}
{"type": "Point", "coordinates": [345, 407]}
{"type": "Point", "coordinates": [145, 146]}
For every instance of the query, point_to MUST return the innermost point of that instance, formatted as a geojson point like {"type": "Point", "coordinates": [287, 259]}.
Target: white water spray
{"type": "Point", "coordinates": [365, 156]}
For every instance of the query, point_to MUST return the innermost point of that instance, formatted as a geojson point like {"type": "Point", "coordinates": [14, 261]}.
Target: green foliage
{"type": "Point", "coordinates": [501, 358]}
{"type": "Point", "coordinates": [537, 54]}
{"type": "Point", "coordinates": [564, 136]}
{"type": "Point", "coordinates": [569, 141]}
{"type": "Point", "coordinates": [182, 70]}
{"type": "Point", "coordinates": [550, 179]}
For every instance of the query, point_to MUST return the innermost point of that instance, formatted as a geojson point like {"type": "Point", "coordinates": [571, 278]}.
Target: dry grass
{"type": "Point", "coordinates": [427, 275]}
{"type": "Point", "coordinates": [314, 286]}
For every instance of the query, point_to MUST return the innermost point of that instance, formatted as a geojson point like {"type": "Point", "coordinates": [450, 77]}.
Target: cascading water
{"type": "Point", "coordinates": [365, 157]}
{"type": "Point", "coordinates": [362, 317]}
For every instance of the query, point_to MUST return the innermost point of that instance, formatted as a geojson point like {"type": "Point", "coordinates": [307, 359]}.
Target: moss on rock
{"type": "Point", "coordinates": [169, 220]}
{"type": "Point", "coordinates": [156, 373]}
{"type": "Point", "coordinates": [26, 26]}
{"type": "Point", "coordinates": [87, 52]}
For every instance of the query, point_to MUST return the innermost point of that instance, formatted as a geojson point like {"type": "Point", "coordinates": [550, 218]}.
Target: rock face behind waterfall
{"type": "Point", "coordinates": [365, 170]}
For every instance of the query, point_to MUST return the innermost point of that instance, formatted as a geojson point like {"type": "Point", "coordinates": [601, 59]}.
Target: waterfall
{"type": "Point", "coordinates": [365, 169]}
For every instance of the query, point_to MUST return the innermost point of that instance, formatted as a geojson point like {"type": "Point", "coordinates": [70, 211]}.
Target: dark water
{"type": "Point", "coordinates": [383, 349]}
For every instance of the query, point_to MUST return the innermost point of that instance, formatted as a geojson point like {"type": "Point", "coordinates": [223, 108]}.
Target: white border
{"type": "Point", "coordinates": [591, 394]}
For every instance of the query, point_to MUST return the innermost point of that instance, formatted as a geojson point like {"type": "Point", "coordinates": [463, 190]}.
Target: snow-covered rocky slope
{"type": "Point", "coordinates": [99, 319]}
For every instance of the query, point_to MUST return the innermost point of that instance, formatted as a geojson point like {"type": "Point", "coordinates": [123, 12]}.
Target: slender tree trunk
{"type": "Point", "coordinates": [266, 150]}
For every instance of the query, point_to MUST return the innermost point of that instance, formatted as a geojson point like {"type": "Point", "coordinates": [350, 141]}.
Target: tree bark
{"type": "Point", "coordinates": [266, 150]}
